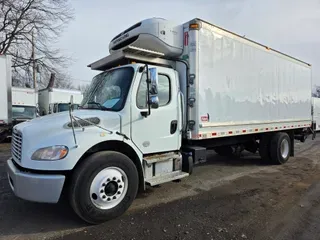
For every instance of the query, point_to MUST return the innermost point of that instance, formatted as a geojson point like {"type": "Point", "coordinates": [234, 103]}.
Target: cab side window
{"type": "Point", "coordinates": [164, 91]}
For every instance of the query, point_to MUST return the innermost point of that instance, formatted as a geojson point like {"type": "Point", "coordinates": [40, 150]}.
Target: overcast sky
{"type": "Point", "coordinates": [290, 26]}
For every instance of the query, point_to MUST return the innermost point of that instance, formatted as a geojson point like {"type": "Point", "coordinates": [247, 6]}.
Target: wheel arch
{"type": "Point", "coordinates": [121, 147]}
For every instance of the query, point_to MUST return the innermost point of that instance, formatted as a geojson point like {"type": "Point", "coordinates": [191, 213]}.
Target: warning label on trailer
{"type": "Point", "coordinates": [186, 36]}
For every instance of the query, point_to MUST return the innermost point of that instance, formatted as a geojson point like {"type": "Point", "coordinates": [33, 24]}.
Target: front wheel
{"type": "Point", "coordinates": [103, 186]}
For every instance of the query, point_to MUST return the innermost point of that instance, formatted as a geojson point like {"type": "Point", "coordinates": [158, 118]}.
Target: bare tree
{"type": "Point", "coordinates": [84, 88]}
{"type": "Point", "coordinates": [316, 92]}
{"type": "Point", "coordinates": [29, 29]}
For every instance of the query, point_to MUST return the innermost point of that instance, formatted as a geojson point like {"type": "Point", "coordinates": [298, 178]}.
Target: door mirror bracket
{"type": "Point", "coordinates": [152, 90]}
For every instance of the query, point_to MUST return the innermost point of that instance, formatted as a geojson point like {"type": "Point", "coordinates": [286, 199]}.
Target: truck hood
{"type": "Point", "coordinates": [54, 122]}
{"type": "Point", "coordinates": [52, 130]}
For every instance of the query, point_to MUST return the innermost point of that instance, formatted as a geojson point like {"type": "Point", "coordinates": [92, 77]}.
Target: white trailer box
{"type": "Point", "coordinates": [236, 86]}
{"type": "Point", "coordinates": [316, 112]}
{"type": "Point", "coordinates": [24, 96]}
{"type": "Point", "coordinates": [56, 100]}
{"type": "Point", "coordinates": [5, 89]}
{"type": "Point", "coordinates": [241, 86]}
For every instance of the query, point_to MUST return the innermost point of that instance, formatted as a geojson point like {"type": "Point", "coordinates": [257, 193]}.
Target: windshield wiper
{"type": "Point", "coordinates": [97, 104]}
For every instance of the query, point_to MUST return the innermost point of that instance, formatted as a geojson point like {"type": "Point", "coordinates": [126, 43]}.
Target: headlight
{"type": "Point", "coordinates": [50, 153]}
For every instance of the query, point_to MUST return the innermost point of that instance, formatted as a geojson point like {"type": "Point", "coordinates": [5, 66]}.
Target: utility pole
{"type": "Point", "coordinates": [34, 68]}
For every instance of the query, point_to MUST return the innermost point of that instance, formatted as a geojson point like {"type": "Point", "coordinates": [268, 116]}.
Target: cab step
{"type": "Point", "coordinates": [162, 157]}
{"type": "Point", "coordinates": [166, 178]}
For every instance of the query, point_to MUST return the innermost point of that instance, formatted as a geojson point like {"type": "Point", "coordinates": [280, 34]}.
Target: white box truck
{"type": "Point", "coordinates": [18, 104]}
{"type": "Point", "coordinates": [5, 97]}
{"type": "Point", "coordinates": [54, 100]}
{"type": "Point", "coordinates": [165, 95]}
{"type": "Point", "coordinates": [316, 112]}
{"type": "Point", "coordinates": [24, 104]}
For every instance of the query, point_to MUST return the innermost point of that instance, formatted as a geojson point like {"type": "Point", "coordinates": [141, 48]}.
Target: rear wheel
{"type": "Point", "coordinates": [280, 148]}
{"type": "Point", "coordinates": [103, 186]}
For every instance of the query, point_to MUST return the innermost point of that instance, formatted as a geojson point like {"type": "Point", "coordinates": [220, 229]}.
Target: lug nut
{"type": "Point", "coordinates": [103, 184]}
{"type": "Point", "coordinates": [109, 199]}
{"type": "Point", "coordinates": [114, 178]}
{"type": "Point", "coordinates": [103, 196]}
{"type": "Point", "coordinates": [119, 192]}
{"type": "Point", "coordinates": [120, 186]}
{"type": "Point", "coordinates": [114, 197]}
{"type": "Point", "coordinates": [118, 181]}
{"type": "Point", "coordinates": [108, 179]}
{"type": "Point", "coordinates": [101, 191]}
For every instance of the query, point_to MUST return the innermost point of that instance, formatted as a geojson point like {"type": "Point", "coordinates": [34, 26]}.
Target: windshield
{"type": "Point", "coordinates": [63, 107]}
{"type": "Point", "coordinates": [109, 90]}
{"type": "Point", "coordinates": [23, 112]}
{"type": "Point", "coordinates": [75, 106]}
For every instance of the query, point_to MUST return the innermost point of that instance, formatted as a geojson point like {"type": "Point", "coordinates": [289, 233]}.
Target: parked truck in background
{"type": "Point", "coordinates": [17, 104]}
{"type": "Point", "coordinates": [316, 112]}
{"type": "Point", "coordinates": [24, 104]}
{"type": "Point", "coordinates": [5, 97]}
{"type": "Point", "coordinates": [165, 95]}
{"type": "Point", "coordinates": [54, 100]}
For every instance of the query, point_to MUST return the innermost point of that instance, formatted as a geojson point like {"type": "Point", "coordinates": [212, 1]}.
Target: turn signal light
{"type": "Point", "coordinates": [194, 26]}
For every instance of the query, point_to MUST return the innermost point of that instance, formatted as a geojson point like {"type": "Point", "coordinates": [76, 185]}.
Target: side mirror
{"type": "Point", "coordinates": [154, 101]}
{"type": "Point", "coordinates": [153, 90]}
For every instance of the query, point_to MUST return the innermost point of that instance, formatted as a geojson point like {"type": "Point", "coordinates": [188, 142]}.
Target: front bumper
{"type": "Point", "coordinates": [35, 187]}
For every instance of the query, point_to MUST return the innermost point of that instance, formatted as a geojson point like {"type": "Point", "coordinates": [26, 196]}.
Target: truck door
{"type": "Point", "coordinates": [160, 131]}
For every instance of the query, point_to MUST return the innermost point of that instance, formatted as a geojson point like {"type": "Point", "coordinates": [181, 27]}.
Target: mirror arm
{"type": "Point", "coordinates": [148, 90]}
{"type": "Point", "coordinates": [152, 91]}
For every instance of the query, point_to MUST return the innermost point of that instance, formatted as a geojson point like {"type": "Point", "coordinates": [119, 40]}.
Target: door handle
{"type": "Point", "coordinates": [173, 126]}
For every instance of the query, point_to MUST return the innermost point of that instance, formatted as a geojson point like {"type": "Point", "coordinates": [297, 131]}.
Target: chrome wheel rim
{"type": "Point", "coordinates": [108, 188]}
{"type": "Point", "coordinates": [284, 148]}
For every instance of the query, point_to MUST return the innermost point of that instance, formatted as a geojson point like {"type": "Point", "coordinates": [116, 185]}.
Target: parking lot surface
{"type": "Point", "coordinates": [225, 198]}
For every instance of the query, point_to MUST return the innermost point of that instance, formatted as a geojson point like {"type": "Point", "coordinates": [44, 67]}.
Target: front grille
{"type": "Point", "coordinates": [16, 145]}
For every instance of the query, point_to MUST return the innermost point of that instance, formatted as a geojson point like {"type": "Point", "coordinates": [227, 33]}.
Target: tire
{"type": "Point", "coordinates": [103, 186]}
{"type": "Point", "coordinates": [3, 136]}
{"type": "Point", "coordinates": [224, 150]}
{"type": "Point", "coordinates": [280, 148]}
{"type": "Point", "coordinates": [264, 148]}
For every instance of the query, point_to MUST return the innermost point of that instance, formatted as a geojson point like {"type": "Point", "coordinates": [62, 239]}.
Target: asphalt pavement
{"type": "Point", "coordinates": [226, 198]}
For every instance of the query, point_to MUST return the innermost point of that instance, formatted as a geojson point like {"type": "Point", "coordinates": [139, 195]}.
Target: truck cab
{"type": "Point", "coordinates": [135, 91]}
{"type": "Point", "coordinates": [123, 90]}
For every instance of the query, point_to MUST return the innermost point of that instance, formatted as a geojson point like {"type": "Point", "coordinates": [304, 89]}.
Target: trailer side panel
{"type": "Point", "coordinates": [243, 87]}
{"type": "Point", "coordinates": [5, 87]}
